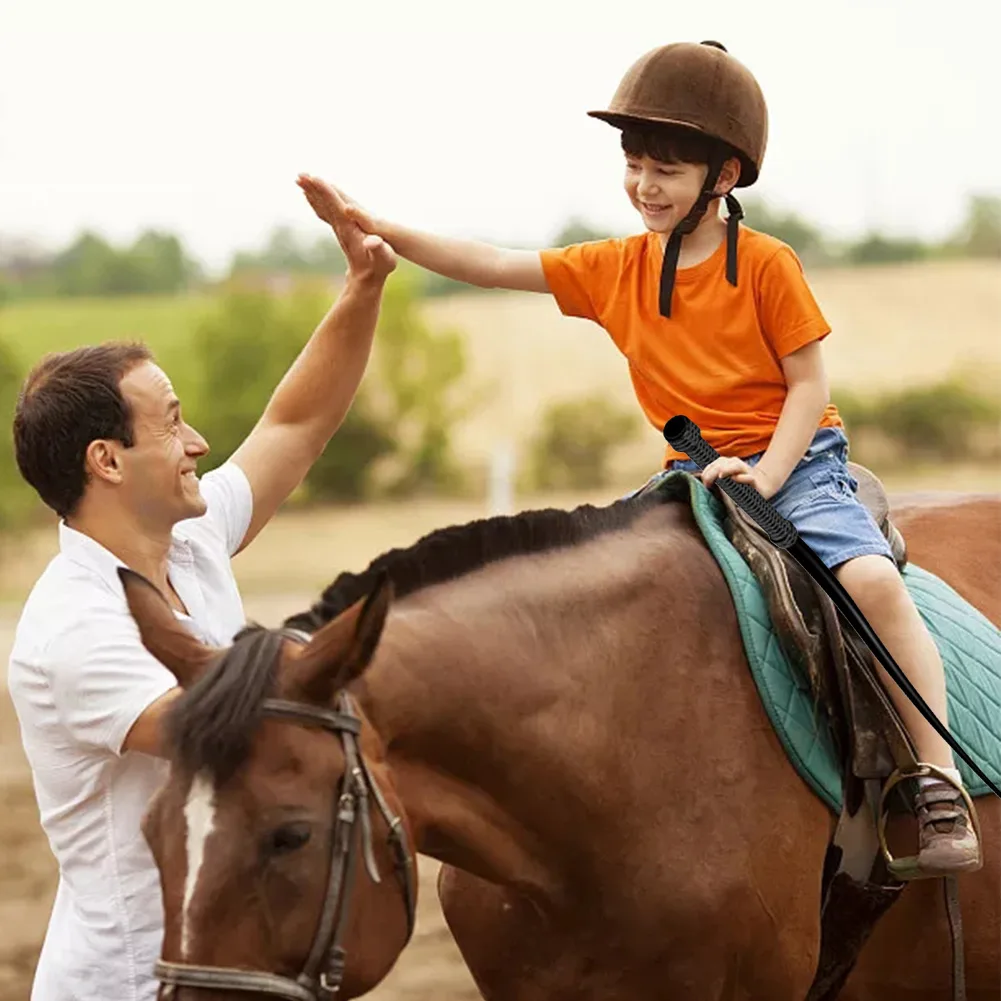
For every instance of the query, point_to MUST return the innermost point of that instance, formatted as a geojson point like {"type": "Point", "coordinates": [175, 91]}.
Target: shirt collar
{"type": "Point", "coordinates": [90, 554]}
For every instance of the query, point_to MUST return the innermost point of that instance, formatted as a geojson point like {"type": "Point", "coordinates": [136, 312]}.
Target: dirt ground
{"type": "Point", "coordinates": [281, 573]}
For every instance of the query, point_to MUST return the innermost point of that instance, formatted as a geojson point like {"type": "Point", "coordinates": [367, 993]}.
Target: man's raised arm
{"type": "Point", "coordinates": [315, 394]}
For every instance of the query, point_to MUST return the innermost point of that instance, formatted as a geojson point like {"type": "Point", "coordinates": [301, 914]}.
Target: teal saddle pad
{"type": "Point", "coordinates": [968, 642]}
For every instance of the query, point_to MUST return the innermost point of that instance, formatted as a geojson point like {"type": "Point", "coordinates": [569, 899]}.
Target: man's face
{"type": "Point", "coordinates": [159, 469]}
{"type": "Point", "coordinates": [662, 193]}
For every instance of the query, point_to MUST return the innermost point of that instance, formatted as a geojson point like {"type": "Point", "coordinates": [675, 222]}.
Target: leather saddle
{"type": "Point", "coordinates": [869, 736]}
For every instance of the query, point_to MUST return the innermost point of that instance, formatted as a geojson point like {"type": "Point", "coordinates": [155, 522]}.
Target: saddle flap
{"type": "Point", "coordinates": [868, 734]}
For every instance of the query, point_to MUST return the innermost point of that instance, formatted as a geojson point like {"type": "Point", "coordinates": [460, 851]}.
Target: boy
{"type": "Point", "coordinates": [718, 323]}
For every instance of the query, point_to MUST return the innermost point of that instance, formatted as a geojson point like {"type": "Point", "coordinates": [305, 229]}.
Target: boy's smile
{"type": "Point", "coordinates": [662, 193]}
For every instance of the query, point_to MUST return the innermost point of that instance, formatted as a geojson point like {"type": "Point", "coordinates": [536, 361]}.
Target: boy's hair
{"type": "Point", "coordinates": [671, 144]}
{"type": "Point", "coordinates": [68, 401]}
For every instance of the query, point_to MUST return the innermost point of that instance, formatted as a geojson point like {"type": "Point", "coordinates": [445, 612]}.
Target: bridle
{"type": "Point", "coordinates": [323, 972]}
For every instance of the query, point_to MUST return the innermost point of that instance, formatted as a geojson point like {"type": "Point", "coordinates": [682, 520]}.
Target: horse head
{"type": "Point", "coordinates": [277, 795]}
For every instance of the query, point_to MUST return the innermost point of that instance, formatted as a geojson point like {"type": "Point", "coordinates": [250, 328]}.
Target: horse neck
{"type": "Point", "coordinates": [511, 702]}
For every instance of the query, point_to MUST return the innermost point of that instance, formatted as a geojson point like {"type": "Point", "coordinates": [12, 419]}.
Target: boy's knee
{"type": "Point", "coordinates": [869, 579]}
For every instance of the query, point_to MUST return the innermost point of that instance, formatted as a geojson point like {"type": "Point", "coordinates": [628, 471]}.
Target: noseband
{"type": "Point", "coordinates": [323, 972]}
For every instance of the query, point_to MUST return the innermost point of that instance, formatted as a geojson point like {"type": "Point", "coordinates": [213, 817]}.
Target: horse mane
{"type": "Point", "coordinates": [211, 725]}
{"type": "Point", "coordinates": [449, 553]}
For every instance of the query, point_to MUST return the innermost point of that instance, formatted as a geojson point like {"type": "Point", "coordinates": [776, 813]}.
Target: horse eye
{"type": "Point", "coordinates": [288, 838]}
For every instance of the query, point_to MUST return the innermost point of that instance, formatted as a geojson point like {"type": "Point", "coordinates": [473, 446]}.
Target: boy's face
{"type": "Point", "coordinates": [662, 193]}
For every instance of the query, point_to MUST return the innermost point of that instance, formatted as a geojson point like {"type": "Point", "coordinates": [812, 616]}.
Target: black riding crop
{"type": "Point", "coordinates": [684, 436]}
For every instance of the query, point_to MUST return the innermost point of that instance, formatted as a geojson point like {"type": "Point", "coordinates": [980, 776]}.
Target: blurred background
{"type": "Point", "coordinates": [148, 155]}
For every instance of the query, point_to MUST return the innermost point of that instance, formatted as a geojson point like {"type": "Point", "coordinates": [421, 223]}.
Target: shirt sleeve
{"type": "Point", "coordinates": [229, 504]}
{"type": "Point", "coordinates": [103, 678]}
{"type": "Point", "coordinates": [583, 276]}
{"type": "Point", "coordinates": [790, 316]}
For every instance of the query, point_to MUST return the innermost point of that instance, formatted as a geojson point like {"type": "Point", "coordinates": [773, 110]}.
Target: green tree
{"type": "Point", "coordinates": [980, 233]}
{"type": "Point", "coordinates": [792, 229]}
{"type": "Point", "coordinates": [242, 350]}
{"type": "Point", "coordinates": [875, 248]}
{"type": "Point", "coordinates": [161, 263]}
{"type": "Point", "coordinates": [286, 251]}
{"type": "Point", "coordinates": [433, 285]}
{"type": "Point", "coordinates": [17, 499]}
{"type": "Point", "coordinates": [576, 440]}
{"type": "Point", "coordinates": [345, 470]}
{"type": "Point", "coordinates": [938, 420]}
{"type": "Point", "coordinates": [951, 419]}
{"type": "Point", "coordinates": [156, 262]}
{"type": "Point", "coordinates": [419, 373]}
{"type": "Point", "coordinates": [86, 267]}
{"type": "Point", "coordinates": [403, 412]}
{"type": "Point", "coordinates": [578, 230]}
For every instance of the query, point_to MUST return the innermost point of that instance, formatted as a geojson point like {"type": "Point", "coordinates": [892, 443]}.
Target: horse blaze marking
{"type": "Point", "coordinates": [199, 813]}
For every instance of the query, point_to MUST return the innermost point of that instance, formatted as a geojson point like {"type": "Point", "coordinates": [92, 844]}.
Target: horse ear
{"type": "Point", "coordinates": [340, 651]}
{"type": "Point", "coordinates": [162, 635]}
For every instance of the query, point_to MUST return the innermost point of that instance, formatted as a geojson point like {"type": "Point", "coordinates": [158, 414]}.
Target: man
{"type": "Point", "coordinates": [100, 435]}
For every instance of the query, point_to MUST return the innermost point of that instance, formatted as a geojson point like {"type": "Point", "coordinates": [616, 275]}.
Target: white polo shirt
{"type": "Point", "coordinates": [79, 678]}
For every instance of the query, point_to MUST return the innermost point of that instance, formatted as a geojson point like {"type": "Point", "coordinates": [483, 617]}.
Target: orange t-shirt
{"type": "Point", "coordinates": [716, 359]}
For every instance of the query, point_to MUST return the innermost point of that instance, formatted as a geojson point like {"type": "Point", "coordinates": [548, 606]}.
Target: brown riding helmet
{"type": "Point", "coordinates": [696, 86]}
{"type": "Point", "coordinates": [702, 88]}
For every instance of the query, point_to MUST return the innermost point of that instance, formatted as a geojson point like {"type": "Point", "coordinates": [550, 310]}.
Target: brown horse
{"type": "Point", "coordinates": [560, 706]}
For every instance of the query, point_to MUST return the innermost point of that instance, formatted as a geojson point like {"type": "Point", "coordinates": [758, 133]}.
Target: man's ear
{"type": "Point", "coordinates": [166, 639]}
{"type": "Point", "coordinates": [101, 460]}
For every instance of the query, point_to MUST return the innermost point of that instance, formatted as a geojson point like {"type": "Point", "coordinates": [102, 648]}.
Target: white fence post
{"type": "Point", "coordinates": [501, 494]}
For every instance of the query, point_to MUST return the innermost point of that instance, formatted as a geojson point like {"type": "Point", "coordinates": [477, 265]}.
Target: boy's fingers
{"type": "Point", "coordinates": [321, 189]}
{"type": "Point", "coordinates": [330, 192]}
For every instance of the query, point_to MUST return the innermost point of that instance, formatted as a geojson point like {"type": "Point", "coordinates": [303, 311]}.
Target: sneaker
{"type": "Point", "coordinates": [947, 838]}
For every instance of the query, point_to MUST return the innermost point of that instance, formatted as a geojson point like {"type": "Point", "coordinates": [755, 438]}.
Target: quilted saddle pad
{"type": "Point", "coordinates": [969, 644]}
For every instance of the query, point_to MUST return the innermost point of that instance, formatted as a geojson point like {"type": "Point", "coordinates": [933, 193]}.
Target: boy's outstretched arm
{"type": "Point", "coordinates": [468, 261]}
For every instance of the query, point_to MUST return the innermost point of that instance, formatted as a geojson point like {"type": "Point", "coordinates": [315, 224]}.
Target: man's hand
{"type": "Point", "coordinates": [738, 470]}
{"type": "Point", "coordinates": [367, 254]}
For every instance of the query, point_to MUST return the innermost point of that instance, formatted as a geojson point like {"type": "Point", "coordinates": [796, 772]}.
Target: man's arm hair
{"type": "Point", "coordinates": [310, 402]}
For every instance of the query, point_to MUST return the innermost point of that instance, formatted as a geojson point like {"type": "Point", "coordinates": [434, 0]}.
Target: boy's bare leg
{"type": "Point", "coordinates": [875, 585]}
{"type": "Point", "coordinates": [878, 589]}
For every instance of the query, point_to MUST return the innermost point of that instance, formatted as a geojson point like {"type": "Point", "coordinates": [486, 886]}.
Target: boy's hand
{"type": "Point", "coordinates": [368, 255]}
{"type": "Point", "coordinates": [738, 470]}
{"type": "Point", "coordinates": [362, 217]}
{"type": "Point", "coordinates": [343, 207]}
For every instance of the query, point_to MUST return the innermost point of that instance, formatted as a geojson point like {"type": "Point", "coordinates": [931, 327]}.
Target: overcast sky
{"type": "Point", "coordinates": [468, 118]}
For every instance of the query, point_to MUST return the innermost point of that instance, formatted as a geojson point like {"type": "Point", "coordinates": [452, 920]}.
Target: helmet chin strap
{"type": "Point", "coordinates": [688, 224]}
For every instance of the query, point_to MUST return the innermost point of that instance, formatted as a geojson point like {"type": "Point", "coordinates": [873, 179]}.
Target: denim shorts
{"type": "Point", "coordinates": [819, 498]}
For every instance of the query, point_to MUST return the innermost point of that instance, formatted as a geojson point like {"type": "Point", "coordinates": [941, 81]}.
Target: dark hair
{"type": "Point", "coordinates": [673, 144]}
{"type": "Point", "coordinates": [67, 401]}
